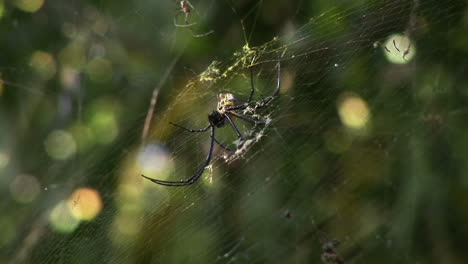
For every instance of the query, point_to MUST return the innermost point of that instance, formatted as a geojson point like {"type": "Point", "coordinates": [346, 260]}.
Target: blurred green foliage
{"type": "Point", "coordinates": [368, 143]}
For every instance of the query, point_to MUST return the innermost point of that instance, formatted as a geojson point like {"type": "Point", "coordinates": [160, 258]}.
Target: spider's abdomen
{"type": "Point", "coordinates": [216, 119]}
{"type": "Point", "coordinates": [225, 100]}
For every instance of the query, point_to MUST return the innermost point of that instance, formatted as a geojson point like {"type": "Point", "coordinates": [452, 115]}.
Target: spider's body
{"type": "Point", "coordinates": [226, 101]}
{"type": "Point", "coordinates": [217, 119]}
{"type": "Point", "coordinates": [185, 8]}
{"type": "Point", "coordinates": [227, 107]}
{"type": "Point", "coordinates": [329, 254]}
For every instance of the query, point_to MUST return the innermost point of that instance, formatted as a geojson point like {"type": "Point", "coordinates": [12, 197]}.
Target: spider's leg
{"type": "Point", "coordinates": [275, 92]}
{"type": "Point", "coordinates": [190, 4]}
{"type": "Point", "coordinates": [248, 119]}
{"type": "Point", "coordinates": [252, 87]}
{"type": "Point", "coordinates": [407, 51]}
{"type": "Point", "coordinates": [394, 45]}
{"type": "Point", "coordinates": [278, 80]}
{"type": "Point", "coordinates": [191, 130]}
{"type": "Point", "coordinates": [238, 133]}
{"type": "Point", "coordinates": [183, 26]}
{"type": "Point", "coordinates": [186, 25]}
{"type": "Point", "coordinates": [186, 18]}
{"type": "Point", "coordinates": [238, 107]}
{"type": "Point", "coordinates": [201, 35]}
{"type": "Point", "coordinates": [197, 175]}
{"type": "Point", "coordinates": [224, 147]}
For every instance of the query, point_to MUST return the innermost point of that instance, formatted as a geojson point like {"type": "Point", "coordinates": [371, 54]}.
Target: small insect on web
{"type": "Point", "coordinates": [329, 254]}
{"type": "Point", "coordinates": [227, 108]}
{"type": "Point", "coordinates": [185, 7]}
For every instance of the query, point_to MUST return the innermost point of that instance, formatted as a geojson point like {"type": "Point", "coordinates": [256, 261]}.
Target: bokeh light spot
{"type": "Point", "coordinates": [104, 126]}
{"type": "Point", "coordinates": [4, 160]}
{"type": "Point", "coordinates": [2, 85]}
{"type": "Point", "coordinates": [399, 49]}
{"type": "Point", "coordinates": [61, 218]}
{"type": "Point", "coordinates": [60, 145]}
{"type": "Point", "coordinates": [24, 188]}
{"type": "Point", "coordinates": [154, 160]}
{"type": "Point", "coordinates": [44, 64]}
{"type": "Point", "coordinates": [84, 137]}
{"type": "Point", "coordinates": [99, 70]}
{"type": "Point", "coordinates": [69, 77]}
{"type": "Point", "coordinates": [127, 225]}
{"type": "Point", "coordinates": [85, 204]}
{"type": "Point", "coordinates": [353, 111]}
{"type": "Point", "coordinates": [29, 6]}
{"type": "Point", "coordinates": [73, 55]}
{"type": "Point", "coordinates": [2, 9]}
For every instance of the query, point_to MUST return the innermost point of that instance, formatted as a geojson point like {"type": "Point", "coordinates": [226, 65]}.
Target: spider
{"type": "Point", "coordinates": [329, 254]}
{"type": "Point", "coordinates": [227, 108]}
{"type": "Point", "coordinates": [185, 7]}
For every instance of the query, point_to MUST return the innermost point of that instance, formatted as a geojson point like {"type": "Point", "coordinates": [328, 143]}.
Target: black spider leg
{"type": "Point", "coordinates": [224, 147]}
{"type": "Point", "coordinates": [233, 125]}
{"type": "Point", "coordinates": [201, 130]}
{"type": "Point", "coordinates": [200, 171]}
{"type": "Point", "coordinates": [191, 130]}
{"type": "Point", "coordinates": [407, 51]}
{"type": "Point", "coordinates": [248, 119]}
{"type": "Point", "coordinates": [252, 87]}
{"type": "Point", "coordinates": [394, 45]}
{"type": "Point", "coordinates": [267, 100]}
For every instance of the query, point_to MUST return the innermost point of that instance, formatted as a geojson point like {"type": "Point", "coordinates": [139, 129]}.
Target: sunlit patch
{"type": "Point", "coordinates": [61, 218]}
{"type": "Point", "coordinates": [69, 77]}
{"type": "Point", "coordinates": [154, 160]}
{"type": "Point", "coordinates": [7, 229]}
{"type": "Point", "coordinates": [2, 9]}
{"type": "Point", "coordinates": [104, 126]}
{"type": "Point", "coordinates": [127, 224]}
{"type": "Point", "coordinates": [60, 145]}
{"type": "Point", "coordinates": [85, 204]}
{"type": "Point", "coordinates": [353, 111]}
{"type": "Point", "coordinates": [74, 54]}
{"type": "Point", "coordinates": [399, 49]}
{"type": "Point", "coordinates": [287, 80]}
{"type": "Point", "coordinates": [4, 160]}
{"type": "Point", "coordinates": [99, 70]}
{"type": "Point", "coordinates": [208, 175]}
{"type": "Point", "coordinates": [2, 85]}
{"type": "Point", "coordinates": [30, 6]}
{"type": "Point", "coordinates": [24, 188]}
{"type": "Point", "coordinates": [128, 196]}
{"type": "Point", "coordinates": [84, 137]}
{"type": "Point", "coordinates": [44, 64]}
{"type": "Point", "coordinates": [102, 120]}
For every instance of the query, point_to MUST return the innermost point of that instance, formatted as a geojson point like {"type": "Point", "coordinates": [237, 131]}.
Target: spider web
{"type": "Point", "coordinates": [357, 147]}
